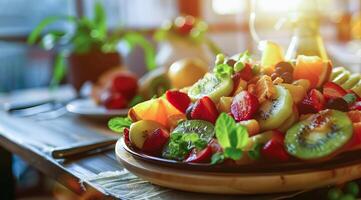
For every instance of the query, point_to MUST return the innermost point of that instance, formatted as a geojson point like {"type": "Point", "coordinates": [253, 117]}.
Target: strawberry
{"type": "Point", "coordinates": [274, 148]}
{"type": "Point", "coordinates": [203, 156]}
{"type": "Point", "coordinates": [179, 100]}
{"type": "Point", "coordinates": [312, 103]}
{"type": "Point", "coordinates": [205, 109]}
{"type": "Point", "coordinates": [155, 141]}
{"type": "Point", "coordinates": [356, 106]}
{"type": "Point", "coordinates": [245, 74]}
{"type": "Point", "coordinates": [355, 116]}
{"type": "Point", "coordinates": [216, 147]}
{"type": "Point", "coordinates": [113, 100]}
{"type": "Point", "coordinates": [332, 90]}
{"type": "Point", "coordinates": [126, 136]}
{"type": "Point", "coordinates": [126, 84]}
{"type": "Point", "coordinates": [244, 106]}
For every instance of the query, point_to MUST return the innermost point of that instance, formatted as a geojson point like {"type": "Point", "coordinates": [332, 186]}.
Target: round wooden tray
{"type": "Point", "coordinates": [236, 183]}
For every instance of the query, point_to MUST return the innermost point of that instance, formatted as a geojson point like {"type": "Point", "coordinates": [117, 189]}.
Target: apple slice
{"type": "Point", "coordinates": [140, 130]}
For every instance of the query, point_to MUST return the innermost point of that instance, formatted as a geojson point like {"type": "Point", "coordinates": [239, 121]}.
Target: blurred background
{"type": "Point", "coordinates": [229, 27]}
{"type": "Point", "coordinates": [23, 66]}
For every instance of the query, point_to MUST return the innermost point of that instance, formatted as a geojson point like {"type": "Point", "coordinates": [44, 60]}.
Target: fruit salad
{"type": "Point", "coordinates": [248, 111]}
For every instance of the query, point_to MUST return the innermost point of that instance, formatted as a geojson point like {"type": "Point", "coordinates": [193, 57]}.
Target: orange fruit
{"type": "Point", "coordinates": [313, 69]}
{"type": "Point", "coordinates": [159, 110]}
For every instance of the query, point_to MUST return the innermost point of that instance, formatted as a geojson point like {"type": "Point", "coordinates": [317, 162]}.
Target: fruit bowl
{"type": "Point", "coordinates": [272, 117]}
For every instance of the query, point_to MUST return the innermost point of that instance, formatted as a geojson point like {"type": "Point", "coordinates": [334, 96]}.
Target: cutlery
{"type": "Point", "coordinates": [81, 148]}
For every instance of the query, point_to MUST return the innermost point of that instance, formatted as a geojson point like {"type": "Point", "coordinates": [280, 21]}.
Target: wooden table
{"type": "Point", "coordinates": [32, 140]}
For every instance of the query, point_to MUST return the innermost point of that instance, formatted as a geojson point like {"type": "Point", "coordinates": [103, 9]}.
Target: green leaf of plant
{"type": "Point", "coordinates": [59, 70]}
{"type": "Point", "coordinates": [350, 98]}
{"type": "Point", "coordinates": [118, 124]}
{"type": "Point", "coordinates": [137, 99]}
{"type": "Point", "coordinates": [233, 153]}
{"type": "Point", "coordinates": [255, 152]}
{"type": "Point", "coordinates": [35, 34]}
{"type": "Point", "coordinates": [100, 20]}
{"type": "Point", "coordinates": [242, 136]}
{"type": "Point", "coordinates": [133, 39]}
{"type": "Point", "coordinates": [223, 123]}
{"type": "Point", "coordinates": [233, 137]}
{"type": "Point", "coordinates": [217, 158]}
{"type": "Point", "coordinates": [50, 39]}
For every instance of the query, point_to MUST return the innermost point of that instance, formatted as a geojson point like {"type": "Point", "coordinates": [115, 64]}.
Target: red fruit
{"type": "Point", "coordinates": [203, 156]}
{"type": "Point", "coordinates": [244, 106]}
{"type": "Point", "coordinates": [216, 147]}
{"type": "Point", "coordinates": [274, 148]}
{"type": "Point", "coordinates": [356, 106]}
{"type": "Point", "coordinates": [355, 141]}
{"type": "Point", "coordinates": [312, 103]}
{"type": "Point", "coordinates": [125, 83]}
{"type": "Point", "coordinates": [246, 73]}
{"type": "Point", "coordinates": [155, 141]}
{"type": "Point", "coordinates": [126, 136]}
{"type": "Point", "coordinates": [179, 100]}
{"type": "Point", "coordinates": [114, 100]}
{"type": "Point", "coordinates": [205, 109]}
{"type": "Point", "coordinates": [332, 90]}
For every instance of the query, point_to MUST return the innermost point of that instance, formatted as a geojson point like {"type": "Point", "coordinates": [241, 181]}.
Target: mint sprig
{"type": "Point", "coordinates": [118, 124]}
{"type": "Point", "coordinates": [232, 137]}
{"type": "Point", "coordinates": [350, 98]}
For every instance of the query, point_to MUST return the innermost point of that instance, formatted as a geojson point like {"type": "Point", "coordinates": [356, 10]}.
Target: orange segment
{"type": "Point", "coordinates": [310, 68]}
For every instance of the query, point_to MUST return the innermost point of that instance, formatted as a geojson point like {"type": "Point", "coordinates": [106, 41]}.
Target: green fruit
{"type": "Point", "coordinates": [203, 128]}
{"type": "Point", "coordinates": [273, 113]}
{"type": "Point", "coordinates": [352, 81]}
{"type": "Point", "coordinates": [212, 86]}
{"type": "Point", "coordinates": [357, 88]}
{"type": "Point", "coordinates": [337, 71]}
{"type": "Point", "coordinates": [319, 136]}
{"type": "Point", "coordinates": [290, 121]}
{"type": "Point", "coordinates": [352, 188]}
{"type": "Point", "coordinates": [334, 194]}
{"type": "Point", "coordinates": [154, 83]}
{"type": "Point", "coordinates": [343, 77]}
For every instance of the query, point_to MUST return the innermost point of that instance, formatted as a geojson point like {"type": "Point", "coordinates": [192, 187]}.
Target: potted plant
{"type": "Point", "coordinates": [90, 50]}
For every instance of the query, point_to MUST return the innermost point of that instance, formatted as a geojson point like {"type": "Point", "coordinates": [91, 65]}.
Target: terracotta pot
{"type": "Point", "coordinates": [88, 67]}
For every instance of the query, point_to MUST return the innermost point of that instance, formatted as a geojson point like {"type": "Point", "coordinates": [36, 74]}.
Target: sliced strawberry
{"type": "Point", "coordinates": [179, 100]}
{"type": "Point", "coordinates": [312, 103]}
{"type": "Point", "coordinates": [355, 141]}
{"type": "Point", "coordinates": [245, 74]}
{"type": "Point", "coordinates": [113, 100]}
{"type": "Point", "coordinates": [332, 90]}
{"type": "Point", "coordinates": [126, 136]}
{"type": "Point", "coordinates": [244, 106]}
{"type": "Point", "coordinates": [126, 84]}
{"type": "Point", "coordinates": [203, 156]}
{"type": "Point", "coordinates": [155, 142]}
{"type": "Point", "coordinates": [356, 106]}
{"type": "Point", "coordinates": [205, 109]}
{"type": "Point", "coordinates": [355, 116]}
{"type": "Point", "coordinates": [274, 148]}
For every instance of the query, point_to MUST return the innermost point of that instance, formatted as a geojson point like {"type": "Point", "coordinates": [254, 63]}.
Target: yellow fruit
{"type": "Point", "coordinates": [252, 126]}
{"type": "Point", "coordinates": [272, 54]}
{"type": "Point", "coordinates": [242, 85]}
{"type": "Point", "coordinates": [186, 72]}
{"type": "Point", "coordinates": [140, 130]}
{"type": "Point", "coordinates": [159, 110]}
{"type": "Point", "coordinates": [357, 88]}
{"type": "Point", "coordinates": [306, 84]}
{"type": "Point", "coordinates": [154, 83]}
{"type": "Point", "coordinates": [298, 92]}
{"type": "Point", "coordinates": [224, 104]}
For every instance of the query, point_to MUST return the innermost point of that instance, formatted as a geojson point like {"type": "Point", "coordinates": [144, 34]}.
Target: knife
{"type": "Point", "coordinates": [82, 147]}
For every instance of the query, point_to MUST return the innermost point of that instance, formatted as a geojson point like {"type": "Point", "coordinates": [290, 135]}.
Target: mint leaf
{"type": "Point", "coordinates": [217, 158]}
{"type": "Point", "coordinates": [233, 138]}
{"type": "Point", "coordinates": [255, 152]}
{"type": "Point", "coordinates": [242, 136]}
{"type": "Point", "coordinates": [118, 124]}
{"type": "Point", "coordinates": [223, 71]}
{"type": "Point", "coordinates": [233, 153]}
{"type": "Point", "coordinates": [223, 124]}
{"type": "Point", "coordinates": [137, 99]}
{"type": "Point", "coordinates": [350, 98]}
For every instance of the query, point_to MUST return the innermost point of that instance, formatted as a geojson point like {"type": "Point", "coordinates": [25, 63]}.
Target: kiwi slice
{"type": "Point", "coordinates": [212, 86]}
{"type": "Point", "coordinates": [273, 113]}
{"type": "Point", "coordinates": [290, 121]}
{"type": "Point", "coordinates": [154, 83]}
{"type": "Point", "coordinates": [319, 136]}
{"type": "Point", "coordinates": [203, 128]}
{"type": "Point", "coordinates": [352, 81]}
{"type": "Point", "coordinates": [337, 71]}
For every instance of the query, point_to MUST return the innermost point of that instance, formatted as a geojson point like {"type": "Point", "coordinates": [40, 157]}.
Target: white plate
{"type": "Point", "coordinates": [88, 108]}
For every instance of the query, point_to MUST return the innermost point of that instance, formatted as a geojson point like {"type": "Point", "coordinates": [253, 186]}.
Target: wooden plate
{"type": "Point", "coordinates": [246, 181]}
